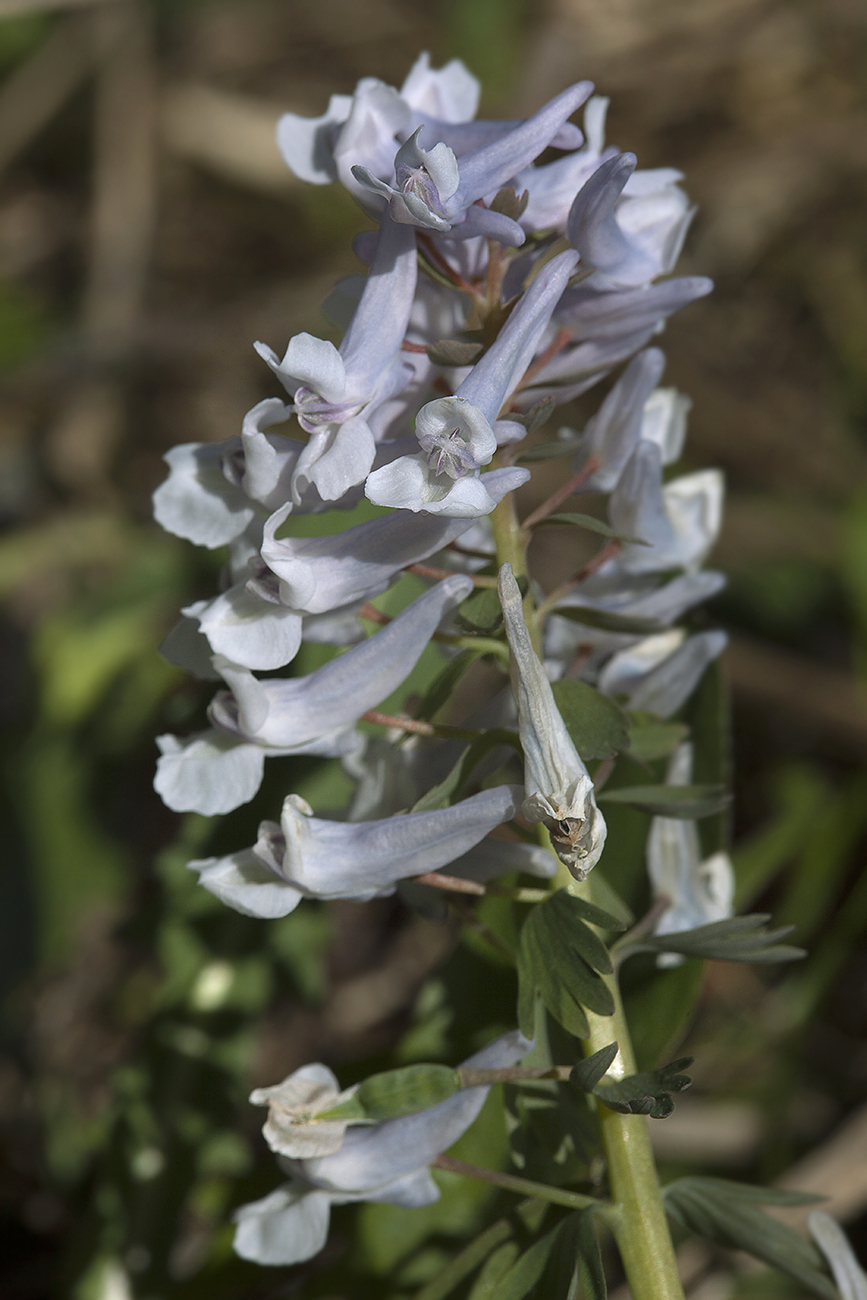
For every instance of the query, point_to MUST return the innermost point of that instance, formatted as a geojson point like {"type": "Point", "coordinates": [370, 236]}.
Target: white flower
{"type": "Point", "coordinates": [701, 892]}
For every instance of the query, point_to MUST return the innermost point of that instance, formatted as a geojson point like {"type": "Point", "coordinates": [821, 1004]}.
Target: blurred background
{"type": "Point", "coordinates": [149, 232]}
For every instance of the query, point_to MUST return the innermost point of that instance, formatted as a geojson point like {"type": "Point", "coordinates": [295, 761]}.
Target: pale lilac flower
{"type": "Point", "coordinates": [215, 492]}
{"type": "Point", "coordinates": [607, 328]}
{"type": "Point", "coordinates": [217, 770]}
{"type": "Point", "coordinates": [383, 1162]}
{"type": "Point", "coordinates": [457, 434]}
{"type": "Point", "coordinates": [660, 673]}
{"type": "Point", "coordinates": [679, 520]}
{"type": "Point", "coordinates": [312, 857]}
{"type": "Point", "coordinates": [334, 390]}
{"type": "Point", "coordinates": [629, 226]}
{"type": "Point", "coordinates": [613, 433]}
{"type": "Point", "coordinates": [629, 598]}
{"type": "Point", "coordinates": [436, 191]}
{"type": "Point", "coordinates": [559, 791]}
{"type": "Point", "coordinates": [700, 891]}
{"type": "Point", "coordinates": [362, 128]}
{"type": "Point", "coordinates": [552, 186]}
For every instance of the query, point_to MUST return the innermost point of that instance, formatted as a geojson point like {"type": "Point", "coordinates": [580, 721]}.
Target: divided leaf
{"type": "Point", "coordinates": [647, 1093]}
{"type": "Point", "coordinates": [730, 1214]}
{"type": "Point", "coordinates": [562, 959]}
{"type": "Point", "coordinates": [575, 1265]}
{"type": "Point", "coordinates": [587, 1073]}
{"type": "Point", "coordinates": [740, 938]}
{"type": "Point", "coordinates": [599, 728]}
{"type": "Point", "coordinates": [684, 801]}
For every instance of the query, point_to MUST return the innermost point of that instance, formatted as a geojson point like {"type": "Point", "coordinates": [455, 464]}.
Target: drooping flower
{"type": "Point", "coordinates": [659, 673]}
{"type": "Point", "coordinates": [218, 770]}
{"type": "Point", "coordinates": [383, 1162]}
{"type": "Point", "coordinates": [559, 791]}
{"type": "Point", "coordinates": [312, 857]}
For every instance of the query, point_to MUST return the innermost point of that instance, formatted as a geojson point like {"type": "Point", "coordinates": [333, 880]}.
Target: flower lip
{"type": "Point", "coordinates": [455, 436]}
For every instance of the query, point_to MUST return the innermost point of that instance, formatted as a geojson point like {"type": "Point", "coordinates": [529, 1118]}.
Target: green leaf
{"type": "Point", "coordinates": [398, 1092]}
{"type": "Point", "coordinates": [648, 1093]}
{"type": "Point", "coordinates": [486, 1285]}
{"type": "Point", "coordinates": [454, 352]}
{"type": "Point", "coordinates": [593, 525]}
{"type": "Point", "coordinates": [598, 726]}
{"type": "Point", "coordinates": [684, 801]}
{"type": "Point", "coordinates": [481, 611]}
{"type": "Point", "coordinates": [608, 620]}
{"type": "Point", "coordinates": [526, 1271]}
{"type": "Point", "coordinates": [740, 938]}
{"type": "Point", "coordinates": [730, 1214]}
{"type": "Point", "coordinates": [586, 1074]}
{"type": "Point", "coordinates": [596, 915]}
{"type": "Point", "coordinates": [591, 1274]}
{"type": "Point", "coordinates": [653, 739]}
{"type": "Point", "coordinates": [560, 957]}
{"type": "Point", "coordinates": [575, 1266]}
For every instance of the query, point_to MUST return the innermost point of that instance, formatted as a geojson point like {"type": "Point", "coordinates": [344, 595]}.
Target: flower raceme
{"type": "Point", "coordinates": [500, 284]}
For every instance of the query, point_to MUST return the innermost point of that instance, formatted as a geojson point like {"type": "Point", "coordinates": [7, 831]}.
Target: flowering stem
{"type": "Point", "coordinates": [640, 1228]}
{"type": "Point", "coordinates": [524, 1186]}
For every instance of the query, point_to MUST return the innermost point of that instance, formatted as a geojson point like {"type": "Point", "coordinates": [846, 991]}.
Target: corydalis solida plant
{"type": "Point", "coordinates": [498, 289]}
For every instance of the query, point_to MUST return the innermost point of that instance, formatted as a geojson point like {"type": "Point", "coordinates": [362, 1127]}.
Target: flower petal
{"type": "Point", "coordinates": [197, 501]}
{"type": "Point", "coordinates": [244, 883]}
{"type": "Point", "coordinates": [208, 773]}
{"type": "Point", "coordinates": [286, 1227]}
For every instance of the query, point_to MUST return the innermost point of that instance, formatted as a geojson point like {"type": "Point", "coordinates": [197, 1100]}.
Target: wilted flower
{"type": "Point", "coordinates": [382, 1162]}
{"type": "Point", "coordinates": [559, 791]}
{"type": "Point", "coordinates": [293, 1127]}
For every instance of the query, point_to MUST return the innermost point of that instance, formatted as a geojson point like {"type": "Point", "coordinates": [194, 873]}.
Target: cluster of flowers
{"type": "Point", "coordinates": [552, 266]}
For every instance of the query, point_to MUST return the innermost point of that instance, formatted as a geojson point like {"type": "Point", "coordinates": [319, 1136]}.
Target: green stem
{"type": "Point", "coordinates": [641, 1229]}
{"type": "Point", "coordinates": [511, 540]}
{"type": "Point", "coordinates": [525, 1186]}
